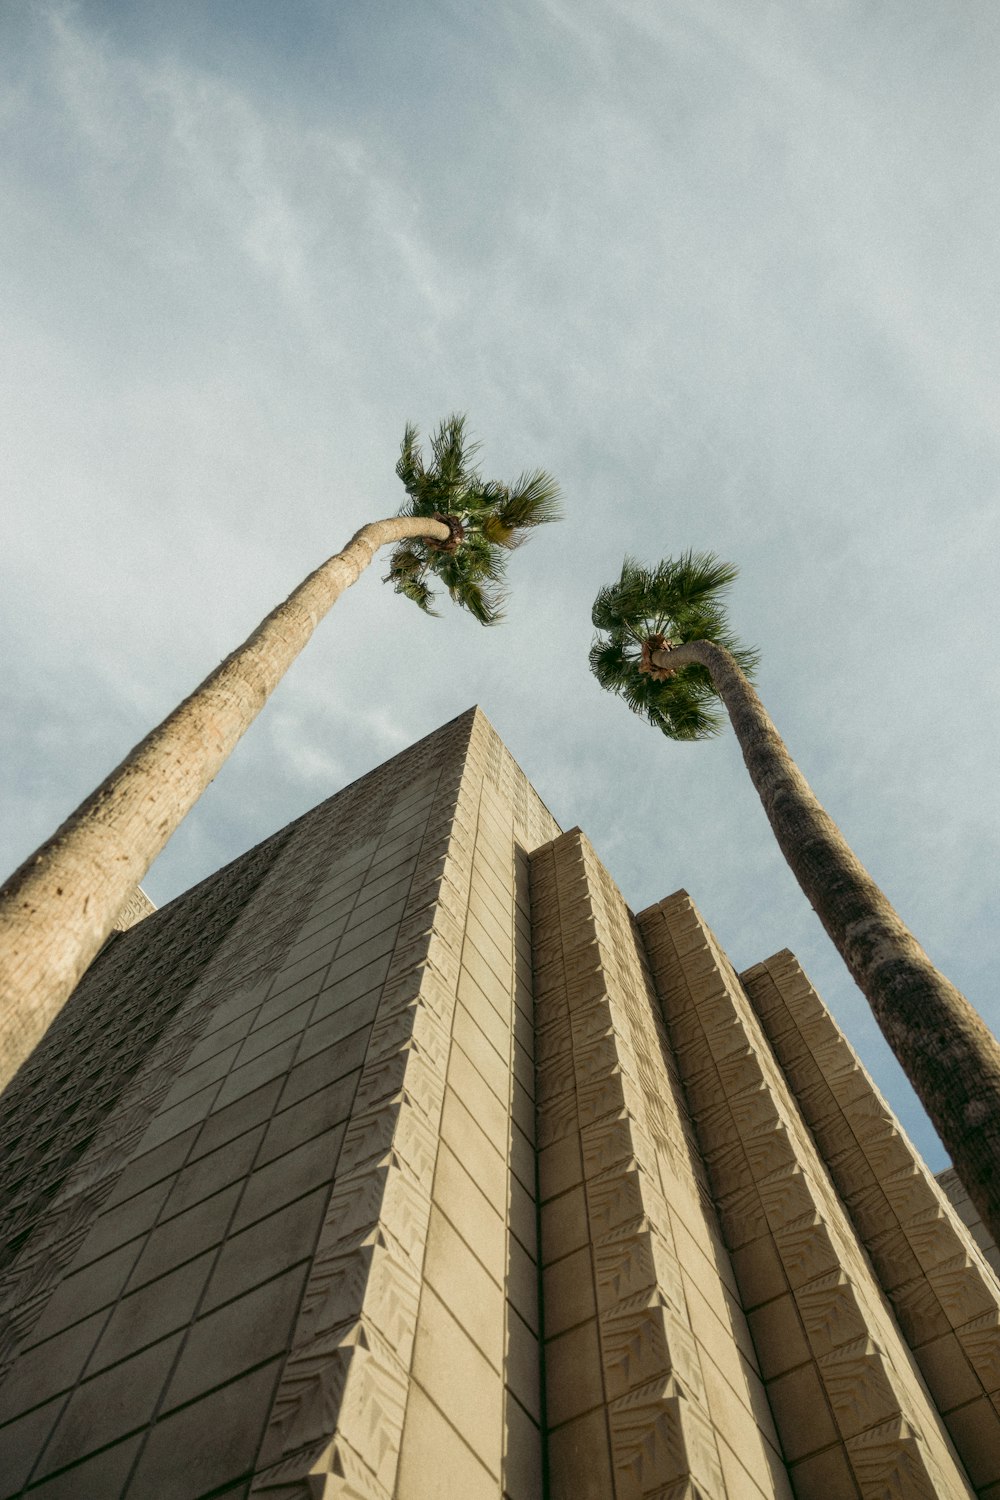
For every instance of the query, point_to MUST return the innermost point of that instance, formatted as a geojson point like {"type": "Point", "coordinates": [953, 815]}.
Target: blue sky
{"type": "Point", "coordinates": [727, 269]}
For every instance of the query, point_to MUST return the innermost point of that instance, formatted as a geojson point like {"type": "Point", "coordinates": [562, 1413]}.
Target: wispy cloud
{"type": "Point", "coordinates": [724, 269]}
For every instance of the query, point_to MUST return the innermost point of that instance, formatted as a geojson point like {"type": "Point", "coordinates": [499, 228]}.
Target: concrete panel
{"type": "Point", "coordinates": [834, 1366]}
{"type": "Point", "coordinates": [937, 1278]}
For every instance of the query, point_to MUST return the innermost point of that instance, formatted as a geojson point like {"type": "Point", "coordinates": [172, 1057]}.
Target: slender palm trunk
{"type": "Point", "coordinates": [59, 907]}
{"type": "Point", "coordinates": [946, 1050]}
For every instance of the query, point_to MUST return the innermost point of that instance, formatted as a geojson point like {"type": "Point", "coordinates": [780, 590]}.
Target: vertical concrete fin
{"type": "Point", "coordinates": [945, 1297]}
{"type": "Point", "coordinates": [850, 1408]}
{"type": "Point", "coordinates": [340, 1404]}
{"type": "Point", "coordinates": [648, 1389]}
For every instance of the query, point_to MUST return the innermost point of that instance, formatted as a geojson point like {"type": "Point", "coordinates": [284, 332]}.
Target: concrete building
{"type": "Point", "coordinates": [399, 1159]}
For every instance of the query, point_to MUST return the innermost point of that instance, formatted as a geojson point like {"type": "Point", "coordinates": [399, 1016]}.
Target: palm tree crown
{"type": "Point", "coordinates": [486, 519]}
{"type": "Point", "coordinates": [678, 601]}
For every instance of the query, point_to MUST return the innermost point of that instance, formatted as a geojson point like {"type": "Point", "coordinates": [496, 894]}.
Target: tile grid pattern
{"type": "Point", "coordinates": [851, 1410]}
{"type": "Point", "coordinates": [136, 908]}
{"type": "Point", "coordinates": [954, 1190]}
{"type": "Point", "coordinates": [300, 1255]}
{"type": "Point", "coordinates": [649, 1392]}
{"type": "Point", "coordinates": [69, 1120]}
{"type": "Point", "coordinates": [273, 1031]}
{"type": "Point", "coordinates": [524, 823]}
{"type": "Point", "coordinates": [348, 1367]}
{"type": "Point", "coordinates": [945, 1297]}
{"type": "Point", "coordinates": [472, 1417]}
{"type": "Point", "coordinates": [392, 1352]}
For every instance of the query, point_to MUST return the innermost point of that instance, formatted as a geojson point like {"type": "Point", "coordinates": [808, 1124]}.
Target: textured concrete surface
{"type": "Point", "coordinates": [398, 1160]}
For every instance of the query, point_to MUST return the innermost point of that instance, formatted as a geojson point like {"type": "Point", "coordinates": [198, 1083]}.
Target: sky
{"type": "Point", "coordinates": [726, 268]}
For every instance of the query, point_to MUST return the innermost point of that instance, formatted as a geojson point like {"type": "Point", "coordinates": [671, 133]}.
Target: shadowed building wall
{"type": "Point", "coordinates": [398, 1159]}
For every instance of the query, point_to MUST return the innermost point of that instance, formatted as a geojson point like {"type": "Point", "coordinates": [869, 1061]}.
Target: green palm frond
{"type": "Point", "coordinates": [679, 720]}
{"type": "Point", "coordinates": [681, 599]}
{"type": "Point", "coordinates": [682, 707]}
{"type": "Point", "coordinates": [415, 588]}
{"type": "Point", "coordinates": [617, 604]}
{"type": "Point", "coordinates": [497, 533]}
{"type": "Point", "coordinates": [453, 454]}
{"type": "Point", "coordinates": [475, 559]}
{"type": "Point", "coordinates": [677, 589]}
{"type": "Point", "coordinates": [410, 467]}
{"type": "Point", "coordinates": [533, 500]}
{"type": "Point", "coordinates": [405, 562]}
{"type": "Point", "coordinates": [494, 519]}
{"type": "Point", "coordinates": [611, 664]}
{"type": "Point", "coordinates": [484, 602]}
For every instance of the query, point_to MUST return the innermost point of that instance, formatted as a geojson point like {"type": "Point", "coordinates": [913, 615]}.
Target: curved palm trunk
{"type": "Point", "coordinates": [946, 1050]}
{"type": "Point", "coordinates": [58, 908]}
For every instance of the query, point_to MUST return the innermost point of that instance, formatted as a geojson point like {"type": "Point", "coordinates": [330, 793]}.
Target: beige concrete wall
{"type": "Point", "coordinates": [954, 1190]}
{"type": "Point", "coordinates": [945, 1298]}
{"type": "Point", "coordinates": [651, 1378]}
{"type": "Point", "coordinates": [269, 1228]}
{"type": "Point", "coordinates": [473, 1414]}
{"type": "Point", "coordinates": [851, 1409]}
{"type": "Point", "coordinates": [271, 1200]}
{"type": "Point", "coordinates": [77, 1110]}
{"type": "Point", "coordinates": [136, 908]}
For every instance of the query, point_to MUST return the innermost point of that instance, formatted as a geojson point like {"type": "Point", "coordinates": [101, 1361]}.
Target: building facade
{"type": "Point", "coordinates": [400, 1160]}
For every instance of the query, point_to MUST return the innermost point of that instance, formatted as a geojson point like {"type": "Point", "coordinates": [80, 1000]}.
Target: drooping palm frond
{"type": "Point", "coordinates": [485, 604]}
{"type": "Point", "coordinates": [493, 518]}
{"type": "Point", "coordinates": [683, 707]}
{"type": "Point", "coordinates": [681, 600]}
{"type": "Point", "coordinates": [417, 590]}
{"type": "Point", "coordinates": [405, 562]}
{"type": "Point", "coordinates": [476, 558]}
{"type": "Point", "coordinates": [473, 576]}
{"type": "Point", "coordinates": [618, 604]}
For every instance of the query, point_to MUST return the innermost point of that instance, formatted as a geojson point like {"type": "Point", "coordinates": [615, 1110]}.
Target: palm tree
{"type": "Point", "coordinates": [665, 647]}
{"type": "Point", "coordinates": [57, 910]}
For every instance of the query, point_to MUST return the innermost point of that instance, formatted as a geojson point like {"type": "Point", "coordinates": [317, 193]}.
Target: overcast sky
{"type": "Point", "coordinates": [727, 268]}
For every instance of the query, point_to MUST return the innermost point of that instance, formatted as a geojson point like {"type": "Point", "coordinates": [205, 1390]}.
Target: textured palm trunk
{"type": "Point", "coordinates": [60, 906]}
{"type": "Point", "coordinates": [946, 1050]}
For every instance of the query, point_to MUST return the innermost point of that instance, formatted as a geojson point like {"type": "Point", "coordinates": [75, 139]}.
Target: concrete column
{"type": "Point", "coordinates": [945, 1298]}
{"type": "Point", "coordinates": [652, 1386]}
{"type": "Point", "coordinates": [850, 1407]}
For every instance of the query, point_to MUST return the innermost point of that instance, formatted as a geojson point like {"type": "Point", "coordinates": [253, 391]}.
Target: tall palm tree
{"type": "Point", "coordinates": [665, 647]}
{"type": "Point", "coordinates": [59, 907]}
